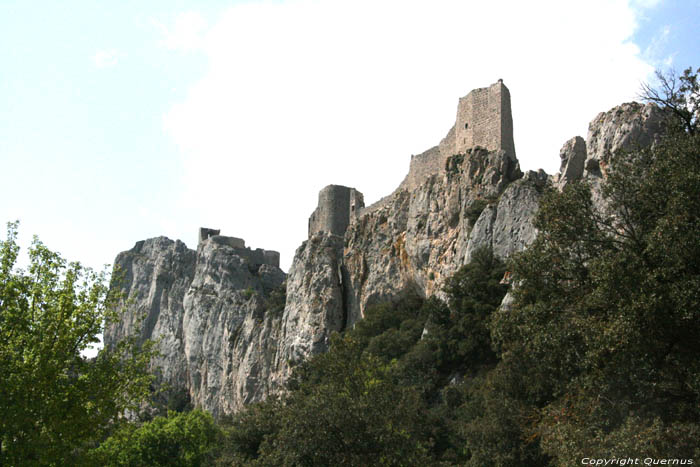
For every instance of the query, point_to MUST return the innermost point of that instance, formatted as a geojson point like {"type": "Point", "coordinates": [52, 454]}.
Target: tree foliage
{"type": "Point", "coordinates": [54, 402]}
{"type": "Point", "coordinates": [180, 440]}
{"type": "Point", "coordinates": [606, 320]}
{"type": "Point", "coordinates": [380, 395]}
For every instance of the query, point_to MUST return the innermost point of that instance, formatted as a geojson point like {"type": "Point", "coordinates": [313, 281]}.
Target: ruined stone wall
{"type": "Point", "coordinates": [254, 257]}
{"type": "Point", "coordinates": [260, 256]}
{"type": "Point", "coordinates": [423, 166]}
{"type": "Point", "coordinates": [337, 205]}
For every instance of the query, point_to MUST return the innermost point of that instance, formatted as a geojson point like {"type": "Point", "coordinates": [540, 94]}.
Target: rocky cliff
{"type": "Point", "coordinates": [227, 335]}
{"type": "Point", "coordinates": [215, 314]}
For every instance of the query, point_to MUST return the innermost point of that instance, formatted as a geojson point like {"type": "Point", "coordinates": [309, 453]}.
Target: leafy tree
{"type": "Point", "coordinates": [344, 410]}
{"type": "Point", "coordinates": [54, 402]}
{"type": "Point", "coordinates": [605, 330]}
{"type": "Point", "coordinates": [188, 439]}
{"type": "Point", "coordinates": [474, 293]}
{"type": "Point", "coordinates": [245, 432]}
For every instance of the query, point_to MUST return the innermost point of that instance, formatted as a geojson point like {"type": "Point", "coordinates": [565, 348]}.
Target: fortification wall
{"type": "Point", "coordinates": [337, 205]}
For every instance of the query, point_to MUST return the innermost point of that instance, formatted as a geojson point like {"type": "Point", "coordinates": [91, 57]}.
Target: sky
{"type": "Point", "coordinates": [121, 121]}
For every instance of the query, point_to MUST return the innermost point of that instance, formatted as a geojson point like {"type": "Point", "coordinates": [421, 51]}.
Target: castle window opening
{"type": "Point", "coordinates": [466, 126]}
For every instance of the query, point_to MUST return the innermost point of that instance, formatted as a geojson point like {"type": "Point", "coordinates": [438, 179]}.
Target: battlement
{"type": "Point", "coordinates": [337, 206]}
{"type": "Point", "coordinates": [255, 257]}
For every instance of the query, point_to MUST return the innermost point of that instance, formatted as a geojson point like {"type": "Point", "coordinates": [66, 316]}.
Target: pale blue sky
{"type": "Point", "coordinates": [121, 121]}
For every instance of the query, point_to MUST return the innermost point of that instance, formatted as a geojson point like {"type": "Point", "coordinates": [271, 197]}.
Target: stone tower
{"type": "Point", "coordinates": [484, 119]}
{"type": "Point", "coordinates": [337, 205]}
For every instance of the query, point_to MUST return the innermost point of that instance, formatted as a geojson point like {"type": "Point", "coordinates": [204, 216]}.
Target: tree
{"type": "Point", "coordinates": [343, 409]}
{"type": "Point", "coordinates": [605, 328]}
{"type": "Point", "coordinates": [54, 402]}
{"type": "Point", "coordinates": [474, 293]}
{"type": "Point", "coordinates": [189, 439]}
{"type": "Point", "coordinates": [680, 95]}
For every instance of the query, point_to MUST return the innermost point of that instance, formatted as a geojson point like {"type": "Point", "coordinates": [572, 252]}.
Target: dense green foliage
{"type": "Point", "coordinates": [55, 403]}
{"type": "Point", "coordinates": [604, 335]}
{"type": "Point", "coordinates": [181, 440]}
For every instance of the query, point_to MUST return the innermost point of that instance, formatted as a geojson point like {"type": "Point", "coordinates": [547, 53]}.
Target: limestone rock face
{"type": "Point", "coordinates": [627, 126]}
{"type": "Point", "coordinates": [509, 223]}
{"type": "Point", "coordinates": [573, 159]}
{"type": "Point", "coordinates": [315, 303]}
{"type": "Point", "coordinates": [416, 238]}
{"type": "Point", "coordinates": [210, 315]}
{"type": "Point", "coordinates": [154, 276]}
{"type": "Point", "coordinates": [229, 329]}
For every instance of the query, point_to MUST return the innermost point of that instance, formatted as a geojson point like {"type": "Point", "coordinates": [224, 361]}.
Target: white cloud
{"type": "Point", "coordinates": [647, 4]}
{"type": "Point", "coordinates": [185, 33]}
{"type": "Point", "coordinates": [302, 94]}
{"type": "Point", "coordinates": [107, 58]}
{"type": "Point", "coordinates": [654, 52]}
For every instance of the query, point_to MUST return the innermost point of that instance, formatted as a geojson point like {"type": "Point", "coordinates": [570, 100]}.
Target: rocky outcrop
{"type": "Point", "coordinates": [626, 127]}
{"type": "Point", "coordinates": [416, 238]}
{"type": "Point", "coordinates": [573, 160]}
{"type": "Point", "coordinates": [154, 277]}
{"type": "Point", "coordinates": [230, 328]}
{"type": "Point", "coordinates": [227, 335]}
{"type": "Point", "coordinates": [315, 304]}
{"type": "Point", "coordinates": [212, 314]}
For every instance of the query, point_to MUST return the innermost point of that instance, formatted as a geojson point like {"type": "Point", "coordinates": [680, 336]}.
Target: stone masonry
{"type": "Point", "coordinates": [337, 206]}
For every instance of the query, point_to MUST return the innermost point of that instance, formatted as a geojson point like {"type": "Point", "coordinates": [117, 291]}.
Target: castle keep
{"type": "Point", "coordinates": [483, 119]}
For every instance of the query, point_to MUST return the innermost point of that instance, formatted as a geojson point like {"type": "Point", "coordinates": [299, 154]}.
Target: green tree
{"type": "Point", "coordinates": [474, 293]}
{"type": "Point", "coordinates": [54, 402]}
{"type": "Point", "coordinates": [605, 330]}
{"type": "Point", "coordinates": [344, 410]}
{"type": "Point", "coordinates": [189, 439]}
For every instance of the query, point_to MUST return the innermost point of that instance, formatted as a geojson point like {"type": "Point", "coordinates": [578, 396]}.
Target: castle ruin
{"type": "Point", "coordinates": [483, 119]}
{"type": "Point", "coordinates": [337, 206]}
{"type": "Point", "coordinates": [255, 257]}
